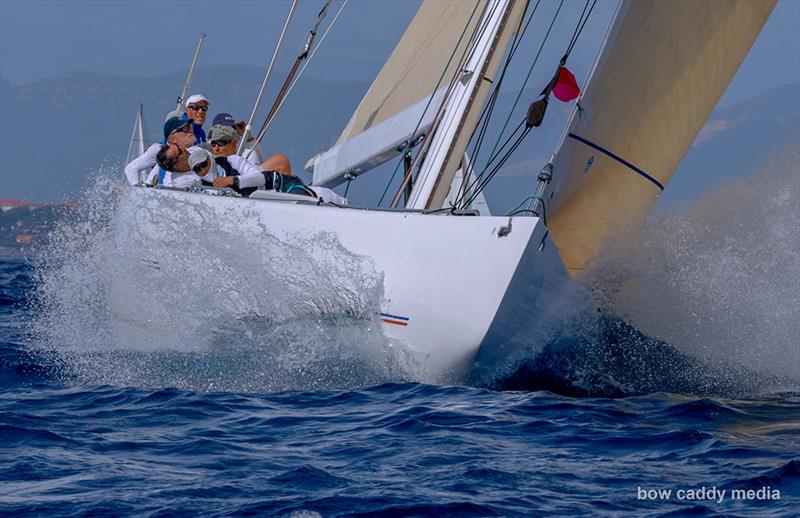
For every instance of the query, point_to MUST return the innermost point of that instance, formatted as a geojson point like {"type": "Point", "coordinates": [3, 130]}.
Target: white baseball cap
{"type": "Point", "coordinates": [198, 156]}
{"type": "Point", "coordinates": [196, 98]}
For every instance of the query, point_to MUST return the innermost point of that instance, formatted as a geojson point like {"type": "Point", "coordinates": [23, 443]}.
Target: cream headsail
{"type": "Point", "coordinates": [661, 72]}
{"type": "Point", "coordinates": [440, 30]}
{"type": "Point", "coordinates": [403, 99]}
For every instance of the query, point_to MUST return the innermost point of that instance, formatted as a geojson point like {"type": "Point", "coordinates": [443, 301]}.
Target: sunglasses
{"type": "Point", "coordinates": [185, 129]}
{"type": "Point", "coordinates": [197, 107]}
{"type": "Point", "coordinates": [200, 167]}
{"type": "Point", "coordinates": [220, 143]}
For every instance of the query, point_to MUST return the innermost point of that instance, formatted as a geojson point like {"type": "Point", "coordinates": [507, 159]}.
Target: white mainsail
{"type": "Point", "coordinates": [661, 72]}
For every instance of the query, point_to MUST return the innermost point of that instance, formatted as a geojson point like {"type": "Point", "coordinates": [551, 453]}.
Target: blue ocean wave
{"type": "Point", "coordinates": [577, 429]}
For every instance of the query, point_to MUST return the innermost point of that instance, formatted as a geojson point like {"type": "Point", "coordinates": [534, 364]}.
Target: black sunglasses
{"type": "Point", "coordinates": [200, 167]}
{"type": "Point", "coordinates": [220, 143]}
{"type": "Point", "coordinates": [197, 107]}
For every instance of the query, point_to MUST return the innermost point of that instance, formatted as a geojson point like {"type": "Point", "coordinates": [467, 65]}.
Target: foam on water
{"type": "Point", "coordinates": [194, 306]}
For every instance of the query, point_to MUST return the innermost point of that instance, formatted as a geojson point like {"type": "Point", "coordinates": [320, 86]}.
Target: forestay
{"type": "Point", "coordinates": [661, 72]}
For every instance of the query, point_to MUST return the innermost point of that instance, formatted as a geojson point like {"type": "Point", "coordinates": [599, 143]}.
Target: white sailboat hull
{"type": "Point", "coordinates": [451, 284]}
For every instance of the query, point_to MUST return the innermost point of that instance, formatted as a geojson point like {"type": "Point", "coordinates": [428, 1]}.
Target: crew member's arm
{"type": "Point", "coordinates": [144, 161]}
{"type": "Point", "coordinates": [249, 175]}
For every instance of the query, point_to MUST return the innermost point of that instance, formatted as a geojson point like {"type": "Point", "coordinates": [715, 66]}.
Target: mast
{"type": "Point", "coordinates": [182, 96]}
{"type": "Point", "coordinates": [463, 104]}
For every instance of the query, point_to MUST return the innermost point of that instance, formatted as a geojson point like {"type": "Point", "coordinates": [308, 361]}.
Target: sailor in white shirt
{"type": "Point", "coordinates": [253, 153]}
{"type": "Point", "coordinates": [177, 132]}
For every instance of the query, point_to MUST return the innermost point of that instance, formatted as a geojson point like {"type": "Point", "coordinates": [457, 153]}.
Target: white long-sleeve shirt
{"type": "Point", "coordinates": [249, 173]}
{"type": "Point", "coordinates": [144, 161]}
{"type": "Point", "coordinates": [171, 178]}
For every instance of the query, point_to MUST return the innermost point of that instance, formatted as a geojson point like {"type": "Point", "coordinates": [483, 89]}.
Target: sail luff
{"type": "Point", "coordinates": [663, 69]}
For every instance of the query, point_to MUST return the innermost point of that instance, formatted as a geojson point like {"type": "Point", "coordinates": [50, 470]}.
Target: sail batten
{"type": "Point", "coordinates": [662, 70]}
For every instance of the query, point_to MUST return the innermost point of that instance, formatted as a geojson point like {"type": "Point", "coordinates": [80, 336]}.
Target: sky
{"type": "Point", "coordinates": [44, 38]}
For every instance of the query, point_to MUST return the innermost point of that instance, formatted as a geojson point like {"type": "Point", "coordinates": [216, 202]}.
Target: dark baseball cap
{"type": "Point", "coordinates": [223, 119]}
{"type": "Point", "coordinates": [175, 123]}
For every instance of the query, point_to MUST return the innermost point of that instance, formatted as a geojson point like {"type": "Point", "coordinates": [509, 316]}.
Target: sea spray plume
{"type": "Point", "coordinates": [167, 295]}
{"type": "Point", "coordinates": [703, 302]}
{"type": "Point", "coordinates": [720, 280]}
{"type": "Point", "coordinates": [605, 356]}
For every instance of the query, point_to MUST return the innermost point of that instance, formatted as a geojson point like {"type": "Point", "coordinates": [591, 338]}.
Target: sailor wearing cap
{"type": "Point", "coordinates": [242, 174]}
{"type": "Point", "coordinates": [177, 132]}
{"type": "Point", "coordinates": [197, 109]}
{"type": "Point", "coordinates": [201, 161]}
{"type": "Point", "coordinates": [226, 119]}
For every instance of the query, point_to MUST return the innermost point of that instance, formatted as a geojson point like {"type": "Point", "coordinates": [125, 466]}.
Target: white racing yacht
{"type": "Point", "coordinates": [462, 289]}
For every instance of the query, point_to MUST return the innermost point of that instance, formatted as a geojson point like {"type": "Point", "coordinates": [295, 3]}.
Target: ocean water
{"type": "Point", "coordinates": [684, 402]}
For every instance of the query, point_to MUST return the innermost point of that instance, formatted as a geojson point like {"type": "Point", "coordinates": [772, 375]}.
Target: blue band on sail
{"type": "Point", "coordinates": [618, 159]}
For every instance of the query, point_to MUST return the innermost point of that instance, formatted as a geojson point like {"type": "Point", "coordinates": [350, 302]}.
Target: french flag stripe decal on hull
{"type": "Point", "coordinates": [394, 319]}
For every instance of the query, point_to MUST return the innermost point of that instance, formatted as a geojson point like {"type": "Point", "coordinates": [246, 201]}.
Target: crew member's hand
{"type": "Point", "coordinates": [223, 181]}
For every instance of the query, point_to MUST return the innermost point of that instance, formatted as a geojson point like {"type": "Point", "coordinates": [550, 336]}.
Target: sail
{"type": "Point", "coordinates": [413, 70]}
{"type": "Point", "coordinates": [661, 72]}
{"type": "Point", "coordinates": [136, 146]}
{"type": "Point", "coordinates": [410, 75]}
{"type": "Point", "coordinates": [500, 21]}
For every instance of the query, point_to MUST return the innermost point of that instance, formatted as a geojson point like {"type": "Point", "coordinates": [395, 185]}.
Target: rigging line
{"type": "Point", "coordinates": [527, 77]}
{"type": "Point", "coordinates": [425, 110]}
{"type": "Point", "coordinates": [482, 182]}
{"type": "Point", "coordinates": [248, 127]}
{"type": "Point", "coordinates": [296, 79]}
{"type": "Point", "coordinates": [477, 179]}
{"type": "Point", "coordinates": [579, 31]}
{"type": "Point", "coordinates": [499, 165]}
{"type": "Point", "coordinates": [514, 46]}
{"type": "Point", "coordinates": [533, 197]}
{"type": "Point", "coordinates": [577, 27]}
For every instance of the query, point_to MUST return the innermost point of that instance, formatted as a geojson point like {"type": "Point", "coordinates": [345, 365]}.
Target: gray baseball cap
{"type": "Point", "coordinates": [220, 132]}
